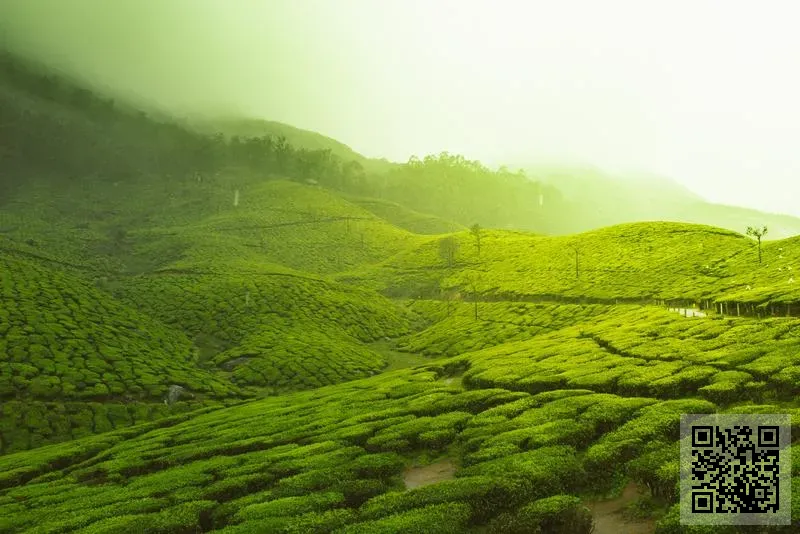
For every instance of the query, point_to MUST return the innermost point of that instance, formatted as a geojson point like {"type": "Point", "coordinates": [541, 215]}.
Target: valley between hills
{"type": "Point", "coordinates": [206, 333]}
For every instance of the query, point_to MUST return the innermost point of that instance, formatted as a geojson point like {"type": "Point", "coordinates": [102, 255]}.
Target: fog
{"type": "Point", "coordinates": [702, 91]}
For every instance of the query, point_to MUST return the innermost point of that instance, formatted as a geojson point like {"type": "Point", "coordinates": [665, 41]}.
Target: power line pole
{"type": "Point", "coordinates": [577, 269]}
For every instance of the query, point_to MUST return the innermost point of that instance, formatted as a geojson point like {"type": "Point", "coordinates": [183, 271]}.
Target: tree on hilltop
{"type": "Point", "coordinates": [476, 232]}
{"type": "Point", "coordinates": [757, 233]}
{"type": "Point", "coordinates": [448, 247]}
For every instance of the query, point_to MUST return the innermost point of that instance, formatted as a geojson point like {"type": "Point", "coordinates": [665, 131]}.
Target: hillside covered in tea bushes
{"type": "Point", "coordinates": [348, 363]}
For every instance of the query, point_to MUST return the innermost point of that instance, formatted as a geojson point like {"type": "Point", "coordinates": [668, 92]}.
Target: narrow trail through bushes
{"type": "Point", "coordinates": [608, 518]}
{"type": "Point", "coordinates": [395, 358]}
{"type": "Point", "coordinates": [417, 476]}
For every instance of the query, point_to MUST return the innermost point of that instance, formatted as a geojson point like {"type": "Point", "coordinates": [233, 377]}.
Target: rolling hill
{"type": "Point", "coordinates": [351, 364]}
{"type": "Point", "coordinates": [602, 199]}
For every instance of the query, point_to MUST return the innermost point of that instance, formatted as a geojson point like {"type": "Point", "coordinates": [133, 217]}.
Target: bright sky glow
{"type": "Point", "coordinates": [704, 91]}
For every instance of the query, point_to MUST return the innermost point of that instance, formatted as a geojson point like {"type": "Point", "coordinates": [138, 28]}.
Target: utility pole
{"type": "Point", "coordinates": [473, 280]}
{"type": "Point", "coordinates": [577, 269]}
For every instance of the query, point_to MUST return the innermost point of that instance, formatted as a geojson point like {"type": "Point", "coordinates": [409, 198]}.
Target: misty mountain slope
{"type": "Point", "coordinates": [602, 199]}
{"type": "Point", "coordinates": [557, 200]}
{"type": "Point", "coordinates": [57, 130]}
{"type": "Point", "coordinates": [127, 147]}
{"type": "Point", "coordinates": [126, 192]}
{"type": "Point", "coordinates": [407, 219]}
{"type": "Point", "coordinates": [639, 193]}
{"type": "Point", "coordinates": [467, 192]}
{"type": "Point", "coordinates": [247, 127]}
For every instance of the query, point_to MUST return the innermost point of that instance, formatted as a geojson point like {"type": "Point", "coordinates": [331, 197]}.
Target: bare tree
{"type": "Point", "coordinates": [473, 279]}
{"type": "Point", "coordinates": [448, 247]}
{"type": "Point", "coordinates": [476, 230]}
{"type": "Point", "coordinates": [758, 233]}
{"type": "Point", "coordinates": [577, 250]}
{"type": "Point", "coordinates": [450, 296]}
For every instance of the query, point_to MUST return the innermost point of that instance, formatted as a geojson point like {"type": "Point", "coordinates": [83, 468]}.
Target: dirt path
{"type": "Point", "coordinates": [396, 359]}
{"type": "Point", "coordinates": [415, 477]}
{"type": "Point", "coordinates": [608, 517]}
{"type": "Point", "coordinates": [688, 312]}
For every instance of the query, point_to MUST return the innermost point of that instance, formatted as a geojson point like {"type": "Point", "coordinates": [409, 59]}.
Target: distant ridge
{"type": "Point", "coordinates": [249, 127]}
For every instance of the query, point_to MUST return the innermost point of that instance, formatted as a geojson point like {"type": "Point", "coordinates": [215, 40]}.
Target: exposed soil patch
{"type": "Point", "coordinates": [415, 477]}
{"type": "Point", "coordinates": [608, 518]}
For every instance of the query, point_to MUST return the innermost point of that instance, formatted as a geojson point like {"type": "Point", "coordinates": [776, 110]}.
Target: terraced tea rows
{"type": "Point", "coordinates": [277, 330]}
{"type": "Point", "coordinates": [31, 424]}
{"type": "Point", "coordinates": [136, 255]}
{"type": "Point", "coordinates": [62, 339]}
{"type": "Point", "coordinates": [772, 281]}
{"type": "Point", "coordinates": [292, 355]}
{"type": "Point", "coordinates": [330, 460]}
{"type": "Point", "coordinates": [407, 219]}
{"type": "Point", "coordinates": [456, 330]}
{"type": "Point", "coordinates": [562, 401]}
{"type": "Point", "coordinates": [652, 352]}
{"type": "Point", "coordinates": [635, 261]}
{"type": "Point", "coordinates": [301, 227]}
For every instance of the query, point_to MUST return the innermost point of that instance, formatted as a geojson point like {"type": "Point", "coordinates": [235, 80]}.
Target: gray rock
{"type": "Point", "coordinates": [173, 394]}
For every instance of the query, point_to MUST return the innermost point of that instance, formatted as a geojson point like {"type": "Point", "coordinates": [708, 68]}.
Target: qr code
{"type": "Point", "coordinates": [735, 469]}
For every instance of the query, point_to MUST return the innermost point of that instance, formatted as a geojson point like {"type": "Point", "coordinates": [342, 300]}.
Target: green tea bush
{"type": "Point", "coordinates": [559, 514]}
{"type": "Point", "coordinates": [486, 496]}
{"type": "Point", "coordinates": [291, 506]}
{"type": "Point", "coordinates": [449, 518]}
{"type": "Point", "coordinates": [546, 470]}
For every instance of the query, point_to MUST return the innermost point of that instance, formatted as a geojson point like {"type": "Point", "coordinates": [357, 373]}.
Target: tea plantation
{"type": "Point", "coordinates": [235, 335]}
{"type": "Point", "coordinates": [332, 459]}
{"type": "Point", "coordinates": [548, 382]}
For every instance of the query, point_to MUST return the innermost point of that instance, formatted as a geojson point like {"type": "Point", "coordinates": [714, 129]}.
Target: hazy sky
{"type": "Point", "coordinates": [707, 92]}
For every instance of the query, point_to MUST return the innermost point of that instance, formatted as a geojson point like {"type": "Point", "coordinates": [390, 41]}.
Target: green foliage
{"type": "Point", "coordinates": [189, 263]}
{"type": "Point", "coordinates": [290, 506]}
{"type": "Point", "coordinates": [29, 424]}
{"type": "Point", "coordinates": [559, 514]}
{"type": "Point", "coordinates": [501, 322]}
{"type": "Point", "coordinates": [457, 189]}
{"type": "Point", "coordinates": [88, 134]}
{"type": "Point", "coordinates": [633, 263]}
{"type": "Point", "coordinates": [402, 217]}
{"type": "Point", "coordinates": [485, 495]}
{"type": "Point", "coordinates": [67, 340]}
{"type": "Point", "coordinates": [450, 518]}
{"type": "Point", "coordinates": [543, 471]}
